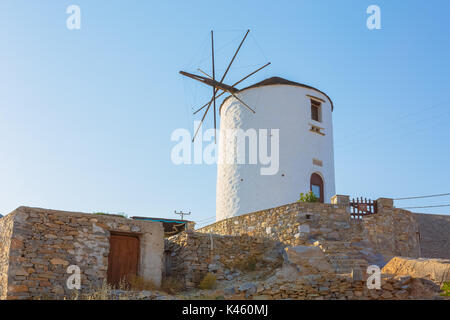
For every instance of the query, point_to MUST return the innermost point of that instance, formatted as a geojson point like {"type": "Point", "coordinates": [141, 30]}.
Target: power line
{"type": "Point", "coordinates": [204, 220]}
{"type": "Point", "coordinates": [399, 131]}
{"type": "Point", "coordinates": [394, 121]}
{"type": "Point", "coordinates": [438, 206]}
{"type": "Point", "coordinates": [420, 197]}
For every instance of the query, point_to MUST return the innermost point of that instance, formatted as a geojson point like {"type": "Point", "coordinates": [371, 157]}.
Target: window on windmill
{"type": "Point", "coordinates": [316, 110]}
{"type": "Point", "coordinates": [316, 190]}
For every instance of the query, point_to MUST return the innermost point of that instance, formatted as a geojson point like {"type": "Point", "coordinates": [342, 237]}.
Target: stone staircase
{"type": "Point", "coordinates": [342, 256]}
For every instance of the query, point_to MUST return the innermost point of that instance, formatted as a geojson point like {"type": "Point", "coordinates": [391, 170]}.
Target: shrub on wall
{"type": "Point", "coordinates": [208, 282]}
{"type": "Point", "coordinates": [120, 214]}
{"type": "Point", "coordinates": [446, 289]}
{"type": "Point", "coordinates": [308, 197]}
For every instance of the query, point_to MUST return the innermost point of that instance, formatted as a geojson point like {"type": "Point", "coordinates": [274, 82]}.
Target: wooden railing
{"type": "Point", "coordinates": [360, 207]}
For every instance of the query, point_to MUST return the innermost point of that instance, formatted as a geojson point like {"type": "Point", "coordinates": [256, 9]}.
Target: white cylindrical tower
{"type": "Point", "coordinates": [304, 161]}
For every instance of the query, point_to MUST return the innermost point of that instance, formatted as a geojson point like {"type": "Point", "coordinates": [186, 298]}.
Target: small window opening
{"type": "Point", "coordinates": [316, 110]}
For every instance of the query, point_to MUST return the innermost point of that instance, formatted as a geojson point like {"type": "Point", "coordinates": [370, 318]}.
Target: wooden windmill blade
{"type": "Point", "coordinates": [214, 79]}
{"type": "Point", "coordinates": [203, 119]}
{"type": "Point", "coordinates": [210, 82]}
{"type": "Point", "coordinates": [219, 85]}
{"type": "Point", "coordinates": [233, 93]}
{"type": "Point", "coordinates": [229, 66]}
{"type": "Point", "coordinates": [235, 84]}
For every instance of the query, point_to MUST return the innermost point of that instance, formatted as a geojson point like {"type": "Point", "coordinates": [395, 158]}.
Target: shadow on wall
{"type": "Point", "coordinates": [434, 235]}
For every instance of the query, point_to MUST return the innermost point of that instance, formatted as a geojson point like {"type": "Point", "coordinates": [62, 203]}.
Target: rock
{"type": "Point", "coordinates": [96, 228]}
{"type": "Point", "coordinates": [402, 294]}
{"type": "Point", "coordinates": [357, 274]}
{"type": "Point", "coordinates": [287, 272]}
{"type": "Point", "coordinates": [135, 229]}
{"type": "Point", "coordinates": [387, 295]}
{"type": "Point", "coordinates": [308, 257]}
{"type": "Point", "coordinates": [57, 261]}
{"type": "Point", "coordinates": [248, 287]}
{"type": "Point", "coordinates": [388, 286]}
{"type": "Point", "coordinates": [16, 244]}
{"type": "Point", "coordinates": [124, 227]}
{"type": "Point", "coordinates": [436, 270]}
{"type": "Point", "coordinates": [405, 280]}
{"type": "Point", "coordinates": [18, 272]}
{"type": "Point", "coordinates": [58, 290]}
{"type": "Point", "coordinates": [18, 288]}
{"type": "Point", "coordinates": [213, 267]}
{"type": "Point", "coordinates": [145, 294]}
{"type": "Point", "coordinates": [229, 291]}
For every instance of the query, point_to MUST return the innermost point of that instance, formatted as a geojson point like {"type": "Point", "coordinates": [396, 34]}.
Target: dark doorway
{"type": "Point", "coordinates": [167, 263]}
{"type": "Point", "coordinates": [316, 186]}
{"type": "Point", "coordinates": [123, 259]}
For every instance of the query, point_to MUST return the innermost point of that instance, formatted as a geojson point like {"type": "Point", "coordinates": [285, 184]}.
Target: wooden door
{"type": "Point", "coordinates": [123, 259]}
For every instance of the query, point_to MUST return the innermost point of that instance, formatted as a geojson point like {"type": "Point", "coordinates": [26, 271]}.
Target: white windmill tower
{"type": "Point", "coordinates": [303, 117]}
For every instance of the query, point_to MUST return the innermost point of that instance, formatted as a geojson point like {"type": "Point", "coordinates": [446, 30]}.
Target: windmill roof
{"type": "Point", "coordinates": [280, 81]}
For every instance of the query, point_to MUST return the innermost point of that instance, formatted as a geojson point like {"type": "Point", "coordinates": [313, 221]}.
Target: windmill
{"type": "Point", "coordinates": [210, 80]}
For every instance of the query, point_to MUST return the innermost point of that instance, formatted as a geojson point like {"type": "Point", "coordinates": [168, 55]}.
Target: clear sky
{"type": "Point", "coordinates": [86, 115]}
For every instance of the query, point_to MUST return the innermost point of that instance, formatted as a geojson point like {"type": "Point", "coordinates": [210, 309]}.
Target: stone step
{"type": "Point", "coordinates": [342, 256]}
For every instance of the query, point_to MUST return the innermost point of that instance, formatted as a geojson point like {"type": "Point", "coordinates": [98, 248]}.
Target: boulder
{"type": "Point", "coordinates": [435, 270]}
{"type": "Point", "coordinates": [229, 291]}
{"type": "Point", "coordinates": [248, 287]}
{"type": "Point", "coordinates": [309, 259]}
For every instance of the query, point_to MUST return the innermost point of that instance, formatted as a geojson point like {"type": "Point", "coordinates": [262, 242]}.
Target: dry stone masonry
{"type": "Point", "coordinates": [37, 246]}
{"type": "Point", "coordinates": [375, 238]}
{"type": "Point", "coordinates": [191, 255]}
{"type": "Point", "coordinates": [335, 287]}
{"type": "Point", "coordinates": [296, 251]}
{"type": "Point", "coordinates": [324, 252]}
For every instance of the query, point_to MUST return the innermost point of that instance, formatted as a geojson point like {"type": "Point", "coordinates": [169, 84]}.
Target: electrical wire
{"type": "Point", "coordinates": [394, 121]}
{"type": "Point", "coordinates": [420, 197]}
{"type": "Point", "coordinates": [206, 219]}
{"type": "Point", "coordinates": [423, 207]}
{"type": "Point", "coordinates": [398, 131]}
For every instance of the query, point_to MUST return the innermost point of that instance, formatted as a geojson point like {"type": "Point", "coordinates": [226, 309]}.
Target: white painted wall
{"type": "Point", "coordinates": [287, 108]}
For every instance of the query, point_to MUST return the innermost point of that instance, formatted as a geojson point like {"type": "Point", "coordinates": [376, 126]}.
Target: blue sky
{"type": "Point", "coordinates": [86, 115]}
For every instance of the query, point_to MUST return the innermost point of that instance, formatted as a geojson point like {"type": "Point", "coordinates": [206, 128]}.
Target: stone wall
{"type": "Point", "coordinates": [377, 237]}
{"type": "Point", "coordinates": [337, 287]}
{"type": "Point", "coordinates": [191, 255]}
{"type": "Point", "coordinates": [45, 242]}
{"type": "Point", "coordinates": [292, 224]}
{"type": "Point", "coordinates": [392, 232]}
{"type": "Point", "coordinates": [434, 235]}
{"type": "Point", "coordinates": [6, 226]}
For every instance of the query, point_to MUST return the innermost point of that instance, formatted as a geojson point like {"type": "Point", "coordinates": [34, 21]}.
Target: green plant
{"type": "Point", "coordinates": [308, 197]}
{"type": "Point", "coordinates": [120, 214]}
{"type": "Point", "coordinates": [445, 289]}
{"type": "Point", "coordinates": [208, 282]}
